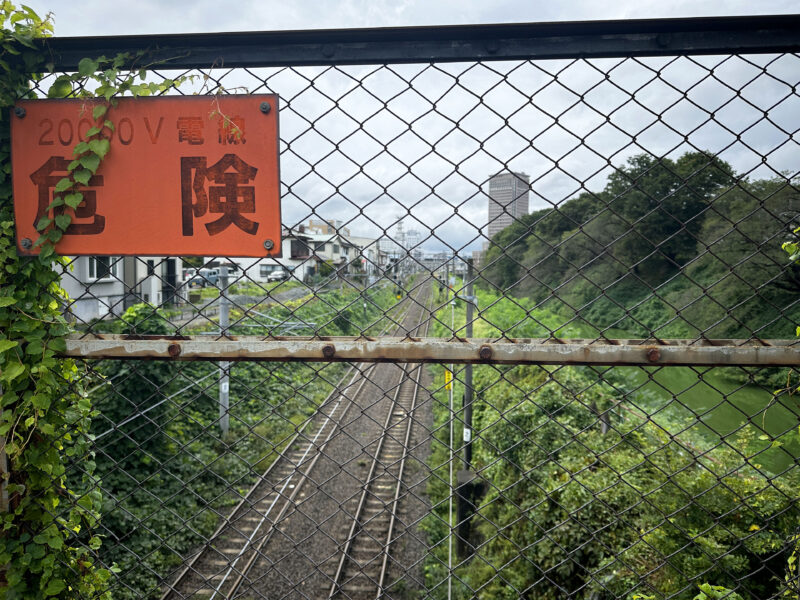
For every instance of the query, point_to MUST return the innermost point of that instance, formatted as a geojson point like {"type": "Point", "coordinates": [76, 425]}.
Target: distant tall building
{"type": "Point", "coordinates": [508, 200]}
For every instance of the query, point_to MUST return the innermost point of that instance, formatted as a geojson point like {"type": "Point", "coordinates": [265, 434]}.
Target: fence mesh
{"type": "Point", "coordinates": [597, 199]}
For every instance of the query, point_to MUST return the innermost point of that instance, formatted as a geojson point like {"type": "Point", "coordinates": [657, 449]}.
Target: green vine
{"type": "Point", "coordinates": [48, 513]}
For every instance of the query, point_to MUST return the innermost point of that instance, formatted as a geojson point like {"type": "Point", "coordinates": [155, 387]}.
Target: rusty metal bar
{"type": "Point", "coordinates": [518, 41]}
{"type": "Point", "coordinates": [545, 351]}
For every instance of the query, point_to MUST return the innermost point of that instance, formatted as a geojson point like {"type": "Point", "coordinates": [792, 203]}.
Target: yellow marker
{"type": "Point", "coordinates": [448, 378]}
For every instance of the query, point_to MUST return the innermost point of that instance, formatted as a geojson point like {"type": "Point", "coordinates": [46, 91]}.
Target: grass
{"type": "Point", "coordinates": [709, 403]}
{"type": "Point", "coordinates": [715, 407]}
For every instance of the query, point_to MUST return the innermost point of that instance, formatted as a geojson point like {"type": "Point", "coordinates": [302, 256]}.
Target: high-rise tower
{"type": "Point", "coordinates": [508, 200]}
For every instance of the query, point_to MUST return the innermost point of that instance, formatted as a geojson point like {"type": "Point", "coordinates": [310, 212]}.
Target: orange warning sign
{"type": "Point", "coordinates": [185, 176]}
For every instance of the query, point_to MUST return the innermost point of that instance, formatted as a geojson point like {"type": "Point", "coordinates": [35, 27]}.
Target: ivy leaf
{"type": "Point", "coordinates": [90, 161]}
{"type": "Point", "coordinates": [43, 223]}
{"type": "Point", "coordinates": [58, 345]}
{"type": "Point", "coordinates": [63, 185]}
{"type": "Point", "coordinates": [73, 200]}
{"type": "Point", "coordinates": [12, 371]}
{"type": "Point", "coordinates": [63, 221]}
{"type": "Point", "coordinates": [87, 67]}
{"type": "Point", "coordinates": [7, 301]}
{"type": "Point", "coordinates": [82, 176]}
{"type": "Point", "coordinates": [7, 345]}
{"type": "Point", "coordinates": [98, 111]}
{"type": "Point", "coordinates": [61, 88]}
{"type": "Point", "coordinates": [42, 401]}
{"type": "Point", "coordinates": [100, 147]}
{"type": "Point", "coordinates": [54, 587]}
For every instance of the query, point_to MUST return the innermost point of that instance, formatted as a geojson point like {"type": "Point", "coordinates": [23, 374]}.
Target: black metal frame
{"type": "Point", "coordinates": [582, 39]}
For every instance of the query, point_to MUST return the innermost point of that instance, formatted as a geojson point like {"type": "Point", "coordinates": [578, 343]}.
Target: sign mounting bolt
{"type": "Point", "coordinates": [26, 243]}
{"type": "Point", "coordinates": [265, 107]}
{"type": "Point", "coordinates": [269, 244]}
{"type": "Point", "coordinates": [19, 112]}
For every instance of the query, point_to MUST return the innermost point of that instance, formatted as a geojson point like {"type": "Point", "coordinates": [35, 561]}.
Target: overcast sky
{"type": "Point", "coordinates": [371, 147]}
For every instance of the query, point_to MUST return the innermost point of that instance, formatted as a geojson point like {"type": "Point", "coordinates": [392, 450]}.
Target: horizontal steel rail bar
{"type": "Point", "coordinates": [546, 351]}
{"type": "Point", "coordinates": [583, 39]}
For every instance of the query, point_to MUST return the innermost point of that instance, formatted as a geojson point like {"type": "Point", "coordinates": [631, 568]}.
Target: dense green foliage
{"type": "Point", "coordinates": [49, 542]}
{"type": "Point", "coordinates": [690, 479]}
{"type": "Point", "coordinates": [49, 531]}
{"type": "Point", "coordinates": [671, 248]}
{"type": "Point", "coordinates": [653, 505]}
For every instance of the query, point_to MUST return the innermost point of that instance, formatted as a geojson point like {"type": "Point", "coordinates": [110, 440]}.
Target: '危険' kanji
{"type": "Point", "coordinates": [229, 197]}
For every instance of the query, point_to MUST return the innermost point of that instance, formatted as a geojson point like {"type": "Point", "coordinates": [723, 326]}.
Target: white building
{"type": "Point", "coordinates": [104, 286]}
{"type": "Point", "coordinates": [306, 249]}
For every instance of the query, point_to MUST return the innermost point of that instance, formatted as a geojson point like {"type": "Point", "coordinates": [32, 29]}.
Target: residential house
{"type": "Point", "coordinates": [102, 287]}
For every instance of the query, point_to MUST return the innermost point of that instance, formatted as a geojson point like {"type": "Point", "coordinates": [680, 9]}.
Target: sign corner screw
{"type": "Point", "coordinates": [269, 244]}
{"type": "Point", "coordinates": [19, 111]}
{"type": "Point", "coordinates": [26, 243]}
{"type": "Point", "coordinates": [265, 107]}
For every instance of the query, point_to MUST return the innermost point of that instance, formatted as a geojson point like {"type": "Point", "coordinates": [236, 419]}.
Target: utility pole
{"type": "Point", "coordinates": [468, 372]}
{"type": "Point", "coordinates": [447, 280]}
{"type": "Point", "coordinates": [224, 366]}
{"type": "Point", "coordinates": [466, 477]}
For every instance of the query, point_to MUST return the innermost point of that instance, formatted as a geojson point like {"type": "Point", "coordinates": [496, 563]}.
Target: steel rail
{"type": "Point", "coordinates": [400, 475]}
{"type": "Point", "coordinates": [396, 500]}
{"type": "Point", "coordinates": [336, 587]}
{"type": "Point", "coordinates": [281, 456]}
{"type": "Point", "coordinates": [338, 389]}
{"type": "Point", "coordinates": [289, 502]}
{"type": "Point", "coordinates": [351, 535]}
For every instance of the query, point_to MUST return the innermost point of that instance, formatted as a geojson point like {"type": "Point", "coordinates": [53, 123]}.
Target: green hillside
{"type": "Point", "coordinates": [669, 248]}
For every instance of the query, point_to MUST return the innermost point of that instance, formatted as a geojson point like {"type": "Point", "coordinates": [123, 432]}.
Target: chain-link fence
{"type": "Point", "coordinates": [531, 335]}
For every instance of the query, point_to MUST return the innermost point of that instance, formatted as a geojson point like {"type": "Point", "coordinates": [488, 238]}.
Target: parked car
{"type": "Point", "coordinates": [278, 275]}
{"type": "Point", "coordinates": [203, 278]}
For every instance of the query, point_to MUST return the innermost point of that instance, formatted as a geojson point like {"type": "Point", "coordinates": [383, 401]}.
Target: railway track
{"type": "Point", "coordinates": [365, 556]}
{"type": "Point", "coordinates": [221, 567]}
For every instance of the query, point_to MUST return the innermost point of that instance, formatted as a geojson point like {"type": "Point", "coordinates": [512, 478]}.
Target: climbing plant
{"type": "Point", "coordinates": [49, 515]}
